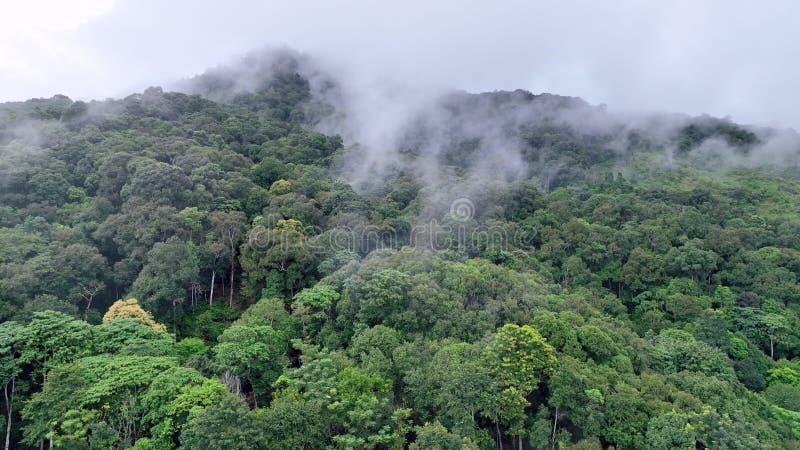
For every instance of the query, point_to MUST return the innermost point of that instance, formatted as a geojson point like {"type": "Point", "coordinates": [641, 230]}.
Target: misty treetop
{"type": "Point", "coordinates": [220, 269]}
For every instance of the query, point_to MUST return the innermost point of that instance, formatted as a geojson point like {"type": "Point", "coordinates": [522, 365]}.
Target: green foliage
{"type": "Point", "coordinates": [291, 422]}
{"type": "Point", "coordinates": [92, 391]}
{"type": "Point", "coordinates": [191, 399]}
{"type": "Point", "coordinates": [313, 307]}
{"type": "Point", "coordinates": [256, 354]}
{"type": "Point", "coordinates": [519, 357]}
{"type": "Point", "coordinates": [130, 309]}
{"type": "Point", "coordinates": [433, 436]}
{"type": "Point", "coordinates": [603, 298]}
{"type": "Point", "coordinates": [675, 351]}
{"type": "Point", "coordinates": [52, 338]}
{"type": "Point", "coordinates": [189, 348]}
{"type": "Point", "coordinates": [131, 337]}
{"type": "Point", "coordinates": [670, 431]}
{"type": "Point", "coordinates": [162, 285]}
{"type": "Point", "coordinates": [224, 425]}
{"type": "Point", "coordinates": [786, 396]}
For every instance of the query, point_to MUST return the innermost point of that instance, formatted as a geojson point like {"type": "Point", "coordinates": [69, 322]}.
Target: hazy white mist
{"type": "Point", "coordinates": [733, 58]}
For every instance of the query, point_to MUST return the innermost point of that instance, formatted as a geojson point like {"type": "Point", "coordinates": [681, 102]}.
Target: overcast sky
{"type": "Point", "coordinates": [726, 58]}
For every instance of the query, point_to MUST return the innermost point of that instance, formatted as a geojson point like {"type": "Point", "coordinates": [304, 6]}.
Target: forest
{"type": "Point", "coordinates": [205, 270]}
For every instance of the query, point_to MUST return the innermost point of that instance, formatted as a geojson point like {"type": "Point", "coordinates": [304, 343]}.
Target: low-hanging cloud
{"type": "Point", "coordinates": [717, 57]}
{"type": "Point", "coordinates": [439, 135]}
{"type": "Point", "coordinates": [398, 77]}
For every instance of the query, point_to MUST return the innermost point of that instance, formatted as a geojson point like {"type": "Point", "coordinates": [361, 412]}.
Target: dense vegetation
{"type": "Point", "coordinates": [605, 297]}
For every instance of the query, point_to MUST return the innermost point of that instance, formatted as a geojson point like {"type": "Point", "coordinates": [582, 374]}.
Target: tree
{"type": "Point", "coordinates": [768, 329]}
{"type": "Point", "coordinates": [158, 183]}
{"type": "Point", "coordinates": [256, 354]}
{"type": "Point", "coordinates": [314, 307]}
{"type": "Point", "coordinates": [52, 338]}
{"type": "Point", "coordinates": [374, 349]}
{"type": "Point", "coordinates": [224, 425]}
{"type": "Point", "coordinates": [165, 278]}
{"type": "Point", "coordinates": [777, 329]}
{"type": "Point", "coordinates": [9, 371]}
{"type": "Point", "coordinates": [95, 391]}
{"type": "Point", "coordinates": [192, 217]}
{"type": "Point", "coordinates": [271, 312]}
{"type": "Point", "coordinates": [357, 405]}
{"type": "Point", "coordinates": [278, 260]}
{"type": "Point", "coordinates": [518, 357]}
{"type": "Point", "coordinates": [132, 233]}
{"type": "Point", "coordinates": [362, 408]}
{"type": "Point", "coordinates": [625, 417]}
{"type": "Point", "coordinates": [433, 436]}
{"type": "Point", "coordinates": [80, 272]}
{"type": "Point", "coordinates": [670, 431]}
{"type": "Point", "coordinates": [192, 398]}
{"type": "Point", "coordinates": [163, 411]}
{"type": "Point", "coordinates": [130, 309]}
{"type": "Point", "coordinates": [560, 331]}
{"type": "Point", "coordinates": [291, 422]}
{"type": "Point", "coordinates": [784, 395]}
{"type": "Point", "coordinates": [131, 337]}
{"type": "Point", "coordinates": [676, 351]}
{"type": "Point", "coordinates": [577, 397]}
{"type": "Point", "coordinates": [382, 296]}
{"type": "Point", "coordinates": [45, 302]}
{"type": "Point", "coordinates": [690, 259]}
{"type": "Point", "coordinates": [642, 269]}
{"type": "Point", "coordinates": [712, 328]}
{"type": "Point", "coordinates": [228, 228]}
{"type": "Point", "coordinates": [453, 383]}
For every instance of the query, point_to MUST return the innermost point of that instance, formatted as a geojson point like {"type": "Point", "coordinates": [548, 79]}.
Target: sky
{"type": "Point", "coordinates": [725, 58]}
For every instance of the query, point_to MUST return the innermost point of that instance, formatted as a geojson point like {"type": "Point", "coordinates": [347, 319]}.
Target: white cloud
{"type": "Point", "coordinates": [36, 48]}
{"type": "Point", "coordinates": [723, 57]}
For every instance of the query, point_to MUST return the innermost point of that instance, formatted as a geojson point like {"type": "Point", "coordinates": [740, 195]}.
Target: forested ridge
{"type": "Point", "coordinates": [204, 270]}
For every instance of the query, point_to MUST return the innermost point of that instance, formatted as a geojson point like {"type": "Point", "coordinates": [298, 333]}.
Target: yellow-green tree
{"type": "Point", "coordinates": [130, 309]}
{"type": "Point", "coordinates": [517, 357]}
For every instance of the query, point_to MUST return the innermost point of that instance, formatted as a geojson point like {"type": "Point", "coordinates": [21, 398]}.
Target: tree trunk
{"type": "Point", "coordinates": [499, 437]}
{"type": "Point", "coordinates": [232, 382]}
{"type": "Point", "coordinates": [9, 410]}
{"type": "Point", "coordinates": [555, 423]}
{"type": "Point", "coordinates": [232, 238]}
{"type": "Point", "coordinates": [230, 294]}
{"type": "Point", "coordinates": [771, 348]}
{"type": "Point", "coordinates": [211, 295]}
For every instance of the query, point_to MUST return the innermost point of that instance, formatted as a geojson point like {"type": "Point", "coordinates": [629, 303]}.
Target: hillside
{"type": "Point", "coordinates": [500, 270]}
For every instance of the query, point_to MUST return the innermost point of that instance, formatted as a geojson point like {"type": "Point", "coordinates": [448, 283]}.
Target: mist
{"type": "Point", "coordinates": [456, 96]}
{"type": "Point", "coordinates": [715, 57]}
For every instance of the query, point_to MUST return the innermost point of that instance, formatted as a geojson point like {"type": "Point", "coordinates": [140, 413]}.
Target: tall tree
{"type": "Point", "coordinates": [518, 356]}
{"type": "Point", "coordinates": [166, 277]}
{"type": "Point", "coordinates": [9, 371]}
{"type": "Point", "coordinates": [256, 354]}
{"type": "Point", "coordinates": [229, 227]}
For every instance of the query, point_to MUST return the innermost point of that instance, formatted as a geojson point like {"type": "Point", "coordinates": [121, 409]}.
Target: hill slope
{"type": "Point", "coordinates": [500, 270]}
